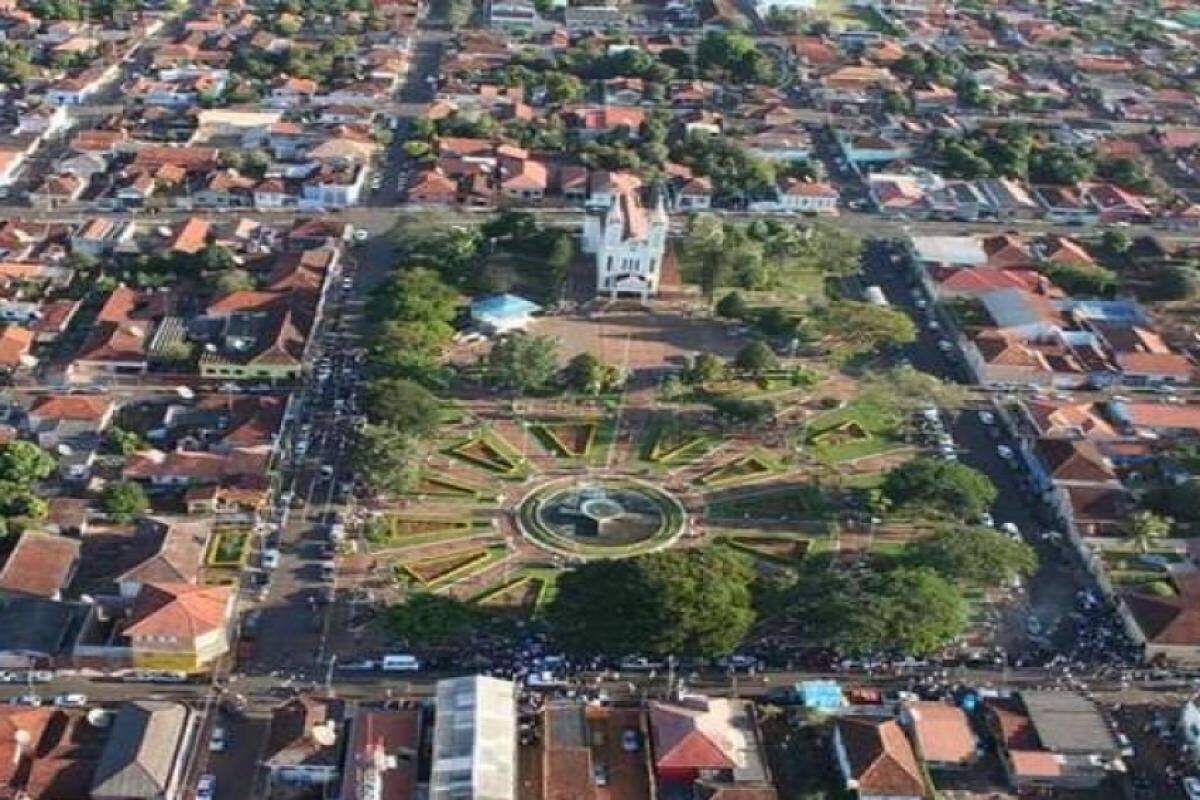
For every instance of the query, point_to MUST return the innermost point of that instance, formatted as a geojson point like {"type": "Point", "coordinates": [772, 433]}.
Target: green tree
{"type": "Point", "coordinates": [589, 375]}
{"type": "Point", "coordinates": [704, 369]}
{"type": "Point", "coordinates": [942, 487]}
{"type": "Point", "coordinates": [906, 389]}
{"type": "Point", "coordinates": [974, 556]}
{"type": "Point", "coordinates": [523, 362]}
{"type": "Point", "coordinates": [124, 501]}
{"type": "Point", "coordinates": [1148, 527]}
{"type": "Point", "coordinates": [693, 602]}
{"type": "Point", "coordinates": [863, 327]}
{"type": "Point", "coordinates": [732, 306]}
{"type": "Point", "coordinates": [24, 463]}
{"type": "Point", "coordinates": [385, 460]}
{"type": "Point", "coordinates": [124, 442]}
{"type": "Point", "coordinates": [427, 619]}
{"type": "Point", "coordinates": [234, 280]}
{"type": "Point", "coordinates": [756, 358]}
{"type": "Point", "coordinates": [913, 610]}
{"type": "Point", "coordinates": [415, 295]}
{"type": "Point", "coordinates": [404, 406]}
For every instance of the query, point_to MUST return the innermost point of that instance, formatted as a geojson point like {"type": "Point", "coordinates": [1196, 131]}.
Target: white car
{"type": "Point", "coordinates": [944, 345]}
{"type": "Point", "coordinates": [270, 559]}
{"type": "Point", "coordinates": [39, 676]}
{"type": "Point", "coordinates": [219, 740]}
{"type": "Point", "coordinates": [361, 235]}
{"type": "Point", "coordinates": [1191, 787]}
{"type": "Point", "coordinates": [26, 700]}
{"type": "Point", "coordinates": [71, 700]}
{"type": "Point", "coordinates": [206, 789]}
{"type": "Point", "coordinates": [987, 418]}
{"type": "Point", "coordinates": [1005, 452]}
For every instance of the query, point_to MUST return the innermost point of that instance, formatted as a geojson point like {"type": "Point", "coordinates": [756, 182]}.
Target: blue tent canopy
{"type": "Point", "coordinates": [503, 308]}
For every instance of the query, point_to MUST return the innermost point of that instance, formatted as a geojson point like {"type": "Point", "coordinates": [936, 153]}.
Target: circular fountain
{"type": "Point", "coordinates": [608, 517]}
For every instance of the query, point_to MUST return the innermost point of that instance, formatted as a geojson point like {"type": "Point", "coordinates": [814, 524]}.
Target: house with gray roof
{"type": "Point", "coordinates": [145, 757]}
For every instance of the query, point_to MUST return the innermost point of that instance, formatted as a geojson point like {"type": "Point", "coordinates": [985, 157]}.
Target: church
{"type": "Point", "coordinates": [628, 241]}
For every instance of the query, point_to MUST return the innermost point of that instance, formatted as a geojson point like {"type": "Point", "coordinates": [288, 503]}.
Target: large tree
{"type": "Point", "coordinates": [426, 619]}
{"type": "Point", "coordinates": [523, 362]}
{"type": "Point", "coordinates": [756, 358]}
{"type": "Point", "coordinates": [385, 460]}
{"type": "Point", "coordinates": [694, 602]}
{"type": "Point", "coordinates": [589, 375]}
{"type": "Point", "coordinates": [942, 487]}
{"type": "Point", "coordinates": [974, 556]}
{"type": "Point", "coordinates": [124, 500]}
{"type": "Point", "coordinates": [24, 463]}
{"type": "Point", "coordinates": [406, 407]}
{"type": "Point", "coordinates": [910, 610]}
{"type": "Point", "coordinates": [863, 327]}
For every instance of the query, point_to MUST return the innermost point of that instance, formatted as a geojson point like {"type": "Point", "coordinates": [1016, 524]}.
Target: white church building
{"type": "Point", "coordinates": [628, 241]}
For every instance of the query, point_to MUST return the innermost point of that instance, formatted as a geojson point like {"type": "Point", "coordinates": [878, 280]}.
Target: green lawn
{"type": "Point", "coordinates": [858, 430]}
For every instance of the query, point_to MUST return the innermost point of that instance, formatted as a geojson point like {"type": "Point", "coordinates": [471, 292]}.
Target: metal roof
{"type": "Point", "coordinates": [474, 740]}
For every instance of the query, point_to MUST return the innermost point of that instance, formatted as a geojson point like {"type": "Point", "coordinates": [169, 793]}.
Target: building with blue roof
{"type": "Point", "coordinates": [503, 312]}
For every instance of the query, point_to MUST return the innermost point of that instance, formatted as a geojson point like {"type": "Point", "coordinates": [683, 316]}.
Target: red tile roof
{"type": "Point", "coordinates": [880, 757]}
{"type": "Point", "coordinates": [40, 565]}
{"type": "Point", "coordinates": [183, 610]}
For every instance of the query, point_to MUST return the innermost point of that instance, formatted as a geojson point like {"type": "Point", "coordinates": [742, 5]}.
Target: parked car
{"type": "Point", "coordinates": [219, 740]}
{"type": "Point", "coordinates": [630, 741]}
{"type": "Point", "coordinates": [206, 789]}
{"type": "Point", "coordinates": [71, 700]}
{"type": "Point", "coordinates": [26, 700]}
{"type": "Point", "coordinates": [270, 559]}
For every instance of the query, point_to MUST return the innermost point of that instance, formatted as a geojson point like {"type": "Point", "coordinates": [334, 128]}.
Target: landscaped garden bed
{"type": "Point", "coordinates": [782, 549]}
{"type": "Point", "coordinates": [435, 484]}
{"type": "Point", "coordinates": [568, 439]}
{"type": "Point", "coordinates": [676, 445]}
{"type": "Point", "coordinates": [437, 571]}
{"type": "Point", "coordinates": [858, 430]}
{"type": "Point", "coordinates": [520, 595]}
{"type": "Point", "coordinates": [488, 451]}
{"type": "Point", "coordinates": [402, 530]}
{"type": "Point", "coordinates": [229, 548]}
{"type": "Point", "coordinates": [803, 501]}
{"type": "Point", "coordinates": [744, 469]}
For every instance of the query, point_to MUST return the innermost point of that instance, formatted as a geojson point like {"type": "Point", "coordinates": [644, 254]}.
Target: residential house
{"type": "Point", "coordinates": [177, 556]}
{"type": "Point", "coordinates": [876, 760]}
{"type": "Point", "coordinates": [35, 633]}
{"type": "Point", "coordinates": [147, 752]}
{"type": "Point", "coordinates": [704, 743]}
{"type": "Point", "coordinates": [118, 338]}
{"type": "Point", "coordinates": [304, 742]}
{"type": "Point", "coordinates": [40, 565]}
{"type": "Point", "coordinates": [1053, 741]}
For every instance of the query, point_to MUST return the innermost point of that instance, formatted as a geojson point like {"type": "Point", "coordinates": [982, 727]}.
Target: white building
{"type": "Point", "coordinates": [474, 740]}
{"type": "Point", "coordinates": [629, 243]}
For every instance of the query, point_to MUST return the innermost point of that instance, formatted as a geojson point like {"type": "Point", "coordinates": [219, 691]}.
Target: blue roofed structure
{"type": "Point", "coordinates": [503, 312]}
{"type": "Point", "coordinates": [820, 694]}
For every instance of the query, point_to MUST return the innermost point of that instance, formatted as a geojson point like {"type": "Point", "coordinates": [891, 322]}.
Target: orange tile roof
{"type": "Point", "coordinates": [192, 237]}
{"type": "Point", "coordinates": [15, 342]}
{"type": "Point", "coordinates": [40, 565]}
{"type": "Point", "coordinates": [182, 610]}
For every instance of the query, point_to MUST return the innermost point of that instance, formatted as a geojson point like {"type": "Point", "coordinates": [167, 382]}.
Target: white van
{"type": "Point", "coordinates": [400, 663]}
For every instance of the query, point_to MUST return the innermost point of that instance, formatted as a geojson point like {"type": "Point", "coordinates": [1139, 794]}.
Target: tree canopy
{"type": "Point", "coordinates": [908, 610]}
{"type": "Point", "coordinates": [694, 602]}
{"type": "Point", "coordinates": [429, 619]}
{"type": "Point", "coordinates": [523, 362]}
{"type": "Point", "coordinates": [974, 556]}
{"type": "Point", "coordinates": [863, 327]}
{"type": "Point", "coordinates": [124, 500]}
{"type": "Point", "coordinates": [942, 487]}
{"type": "Point", "coordinates": [24, 463]}
{"type": "Point", "coordinates": [385, 460]}
{"type": "Point", "coordinates": [405, 406]}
